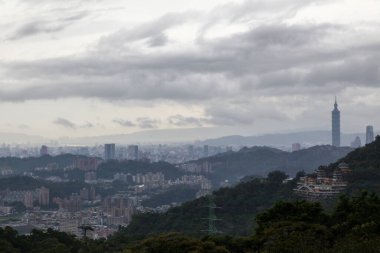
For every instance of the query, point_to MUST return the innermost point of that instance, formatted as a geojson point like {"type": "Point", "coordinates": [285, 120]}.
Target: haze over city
{"type": "Point", "coordinates": [87, 68]}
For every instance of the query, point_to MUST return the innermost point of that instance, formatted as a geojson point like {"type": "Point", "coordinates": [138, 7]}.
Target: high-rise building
{"type": "Point", "coordinates": [84, 194]}
{"type": "Point", "coordinates": [109, 152]}
{"type": "Point", "coordinates": [336, 125]}
{"type": "Point", "coordinates": [357, 143]}
{"type": "Point", "coordinates": [370, 137]}
{"type": "Point", "coordinates": [43, 196]}
{"type": "Point", "coordinates": [205, 150]}
{"type": "Point", "coordinates": [133, 152]}
{"type": "Point", "coordinates": [28, 199]}
{"type": "Point", "coordinates": [296, 147]}
{"type": "Point", "coordinates": [44, 150]}
{"type": "Point", "coordinates": [92, 194]}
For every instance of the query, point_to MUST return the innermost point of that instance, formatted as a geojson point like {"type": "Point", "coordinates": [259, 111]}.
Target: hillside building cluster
{"type": "Point", "coordinates": [324, 183]}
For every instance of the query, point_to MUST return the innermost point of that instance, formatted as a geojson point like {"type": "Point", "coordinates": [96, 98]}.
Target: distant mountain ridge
{"type": "Point", "coordinates": [212, 136]}
{"type": "Point", "coordinates": [261, 160]}
{"type": "Point", "coordinates": [309, 138]}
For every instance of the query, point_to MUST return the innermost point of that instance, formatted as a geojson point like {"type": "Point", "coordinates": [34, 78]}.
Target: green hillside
{"type": "Point", "coordinates": [264, 211]}
{"type": "Point", "coordinates": [365, 163]}
{"type": "Point", "coordinates": [243, 202]}
{"type": "Point", "coordinates": [237, 204]}
{"type": "Point", "coordinates": [262, 160]}
{"type": "Point", "coordinates": [26, 164]}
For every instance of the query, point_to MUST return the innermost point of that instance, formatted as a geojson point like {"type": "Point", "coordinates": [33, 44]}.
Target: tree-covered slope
{"type": "Point", "coordinates": [237, 204]}
{"type": "Point", "coordinates": [25, 164]}
{"type": "Point", "coordinates": [262, 160]}
{"type": "Point", "coordinates": [288, 227]}
{"type": "Point", "coordinates": [365, 165]}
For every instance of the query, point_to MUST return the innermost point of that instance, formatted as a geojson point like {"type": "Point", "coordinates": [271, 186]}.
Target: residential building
{"type": "Point", "coordinates": [109, 152]}
{"type": "Point", "coordinates": [133, 152]}
{"type": "Point", "coordinates": [43, 196]}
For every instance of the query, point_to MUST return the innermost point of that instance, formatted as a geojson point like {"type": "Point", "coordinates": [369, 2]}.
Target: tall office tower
{"type": "Point", "coordinates": [205, 151]}
{"type": "Point", "coordinates": [44, 150]}
{"type": "Point", "coordinates": [43, 196]}
{"type": "Point", "coordinates": [370, 137]}
{"type": "Point", "coordinates": [109, 152]}
{"type": "Point", "coordinates": [336, 125]}
{"type": "Point", "coordinates": [133, 152]}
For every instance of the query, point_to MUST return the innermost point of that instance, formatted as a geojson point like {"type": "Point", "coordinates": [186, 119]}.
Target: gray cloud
{"type": "Point", "coordinates": [292, 58]}
{"type": "Point", "coordinates": [124, 123]}
{"type": "Point", "coordinates": [153, 32]}
{"type": "Point", "coordinates": [45, 26]}
{"type": "Point", "coordinates": [271, 59]}
{"type": "Point", "coordinates": [243, 113]}
{"type": "Point", "coordinates": [71, 125]}
{"type": "Point", "coordinates": [65, 123]}
{"type": "Point", "coordinates": [24, 126]}
{"type": "Point", "coordinates": [182, 121]}
{"type": "Point", "coordinates": [158, 40]}
{"type": "Point", "coordinates": [143, 122]}
{"type": "Point", "coordinates": [147, 123]}
{"type": "Point", "coordinates": [87, 125]}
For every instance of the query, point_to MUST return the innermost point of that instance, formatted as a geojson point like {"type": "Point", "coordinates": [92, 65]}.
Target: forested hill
{"type": "Point", "coordinates": [105, 169]}
{"type": "Point", "coordinates": [261, 160]}
{"type": "Point", "coordinates": [25, 164]}
{"type": "Point", "coordinates": [365, 163]}
{"type": "Point", "coordinates": [365, 158]}
{"type": "Point", "coordinates": [237, 208]}
{"type": "Point", "coordinates": [239, 205]}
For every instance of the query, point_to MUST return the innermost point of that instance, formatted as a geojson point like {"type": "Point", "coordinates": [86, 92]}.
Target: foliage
{"type": "Point", "coordinates": [26, 164]}
{"type": "Point", "coordinates": [262, 160]}
{"type": "Point", "coordinates": [365, 163]}
{"type": "Point", "coordinates": [241, 202]}
{"type": "Point", "coordinates": [287, 227]}
{"type": "Point", "coordinates": [175, 194]}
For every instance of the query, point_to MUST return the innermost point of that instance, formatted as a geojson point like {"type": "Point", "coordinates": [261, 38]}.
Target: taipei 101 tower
{"type": "Point", "coordinates": [336, 125]}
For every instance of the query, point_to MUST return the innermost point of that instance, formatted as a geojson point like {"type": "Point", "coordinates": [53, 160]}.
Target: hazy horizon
{"type": "Point", "coordinates": [209, 136]}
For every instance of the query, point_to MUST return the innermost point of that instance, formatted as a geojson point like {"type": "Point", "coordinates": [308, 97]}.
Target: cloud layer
{"type": "Point", "coordinates": [263, 61]}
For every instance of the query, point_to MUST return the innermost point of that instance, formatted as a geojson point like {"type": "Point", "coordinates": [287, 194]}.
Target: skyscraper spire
{"type": "Point", "coordinates": [335, 125]}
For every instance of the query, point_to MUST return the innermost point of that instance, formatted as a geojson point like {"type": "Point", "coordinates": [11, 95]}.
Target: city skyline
{"type": "Point", "coordinates": [90, 68]}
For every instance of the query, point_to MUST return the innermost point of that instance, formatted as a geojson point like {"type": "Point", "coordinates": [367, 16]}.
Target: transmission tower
{"type": "Point", "coordinates": [212, 230]}
{"type": "Point", "coordinates": [212, 218]}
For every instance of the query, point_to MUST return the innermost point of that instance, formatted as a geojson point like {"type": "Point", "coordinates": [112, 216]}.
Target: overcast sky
{"type": "Point", "coordinates": [96, 67]}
